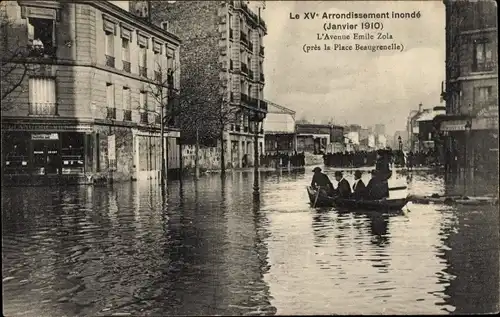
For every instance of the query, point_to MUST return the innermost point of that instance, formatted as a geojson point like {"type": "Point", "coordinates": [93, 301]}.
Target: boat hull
{"type": "Point", "coordinates": [322, 200]}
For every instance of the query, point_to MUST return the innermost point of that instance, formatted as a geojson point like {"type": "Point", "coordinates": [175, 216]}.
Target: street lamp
{"type": "Point", "coordinates": [258, 117]}
{"type": "Point", "coordinates": [400, 143]}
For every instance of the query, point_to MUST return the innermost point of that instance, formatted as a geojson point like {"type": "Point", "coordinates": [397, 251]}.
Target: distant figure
{"type": "Point", "coordinates": [321, 180]}
{"type": "Point", "coordinates": [377, 188]}
{"type": "Point", "coordinates": [358, 187]}
{"type": "Point", "coordinates": [343, 189]}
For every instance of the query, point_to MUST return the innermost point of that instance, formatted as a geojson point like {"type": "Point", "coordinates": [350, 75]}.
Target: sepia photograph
{"type": "Point", "coordinates": [208, 158]}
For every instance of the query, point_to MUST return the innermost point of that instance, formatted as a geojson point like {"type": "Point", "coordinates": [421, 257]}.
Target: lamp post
{"type": "Point", "coordinates": [259, 116]}
{"type": "Point", "coordinates": [400, 143]}
{"type": "Point", "coordinates": [468, 126]}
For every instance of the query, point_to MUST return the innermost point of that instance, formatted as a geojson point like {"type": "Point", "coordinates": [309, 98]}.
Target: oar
{"type": "Point", "coordinates": [317, 195]}
{"type": "Point", "coordinates": [398, 188]}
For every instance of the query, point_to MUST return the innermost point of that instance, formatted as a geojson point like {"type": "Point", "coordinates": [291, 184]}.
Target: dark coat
{"type": "Point", "coordinates": [344, 189]}
{"type": "Point", "coordinates": [377, 189]}
{"type": "Point", "coordinates": [322, 180]}
{"type": "Point", "coordinates": [359, 189]}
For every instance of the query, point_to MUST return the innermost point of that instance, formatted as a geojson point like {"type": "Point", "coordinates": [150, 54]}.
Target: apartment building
{"type": "Point", "coordinates": [83, 109]}
{"type": "Point", "coordinates": [470, 127]}
{"type": "Point", "coordinates": [222, 48]}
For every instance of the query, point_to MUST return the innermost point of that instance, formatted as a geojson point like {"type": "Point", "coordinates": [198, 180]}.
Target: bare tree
{"type": "Point", "coordinates": [14, 60]}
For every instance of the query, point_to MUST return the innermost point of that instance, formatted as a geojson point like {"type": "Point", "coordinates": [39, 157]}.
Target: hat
{"type": "Point", "coordinates": [338, 173]}
{"type": "Point", "coordinates": [374, 172]}
{"type": "Point", "coordinates": [317, 169]}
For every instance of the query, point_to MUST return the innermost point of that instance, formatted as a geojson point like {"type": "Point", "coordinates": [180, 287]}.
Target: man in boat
{"type": "Point", "coordinates": [321, 180]}
{"type": "Point", "coordinates": [377, 187]}
{"type": "Point", "coordinates": [343, 189]}
{"type": "Point", "coordinates": [358, 187]}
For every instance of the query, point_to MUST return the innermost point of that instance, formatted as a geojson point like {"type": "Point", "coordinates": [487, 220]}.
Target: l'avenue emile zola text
{"type": "Point", "coordinates": [353, 31]}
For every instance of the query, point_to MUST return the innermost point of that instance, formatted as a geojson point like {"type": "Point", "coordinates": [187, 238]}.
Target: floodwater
{"type": "Point", "coordinates": [211, 250]}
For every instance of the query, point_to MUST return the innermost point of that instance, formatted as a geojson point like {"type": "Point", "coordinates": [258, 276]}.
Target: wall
{"type": "Point", "coordinates": [279, 122]}
{"type": "Point", "coordinates": [209, 157]}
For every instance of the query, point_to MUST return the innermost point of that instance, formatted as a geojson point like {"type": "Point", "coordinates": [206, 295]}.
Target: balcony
{"type": "Point", "coordinates": [42, 109]}
{"type": "Point", "coordinates": [143, 72]}
{"type": "Point", "coordinates": [127, 115]}
{"type": "Point", "coordinates": [111, 113]}
{"type": "Point", "coordinates": [37, 51]}
{"type": "Point", "coordinates": [126, 66]}
{"type": "Point", "coordinates": [144, 118]}
{"type": "Point", "coordinates": [484, 67]}
{"type": "Point", "coordinates": [244, 68]}
{"type": "Point", "coordinates": [110, 61]}
{"type": "Point", "coordinates": [231, 33]}
{"type": "Point", "coordinates": [261, 50]}
{"type": "Point", "coordinates": [158, 76]}
{"type": "Point", "coordinates": [262, 79]}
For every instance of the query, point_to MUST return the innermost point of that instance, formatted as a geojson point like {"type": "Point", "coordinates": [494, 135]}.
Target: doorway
{"type": "Point", "coordinates": [46, 158]}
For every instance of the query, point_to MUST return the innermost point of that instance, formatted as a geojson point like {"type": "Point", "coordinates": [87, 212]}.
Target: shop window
{"type": "Point", "coordinates": [16, 150]}
{"type": "Point", "coordinates": [72, 153]}
{"type": "Point", "coordinates": [41, 37]}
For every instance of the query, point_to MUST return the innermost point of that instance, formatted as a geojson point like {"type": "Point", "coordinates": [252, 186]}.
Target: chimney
{"type": "Point", "coordinates": [164, 25]}
{"type": "Point", "coordinates": [420, 107]}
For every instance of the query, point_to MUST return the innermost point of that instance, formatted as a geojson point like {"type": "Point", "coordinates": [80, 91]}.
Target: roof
{"type": "Point", "coordinates": [429, 115]}
{"type": "Point", "coordinates": [277, 108]}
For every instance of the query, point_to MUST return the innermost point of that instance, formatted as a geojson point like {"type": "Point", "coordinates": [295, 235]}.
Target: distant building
{"type": "Point", "coordinates": [404, 140]}
{"type": "Point", "coordinates": [319, 138]}
{"type": "Point", "coordinates": [471, 86]}
{"type": "Point", "coordinates": [379, 129]}
{"type": "Point", "coordinates": [279, 129]}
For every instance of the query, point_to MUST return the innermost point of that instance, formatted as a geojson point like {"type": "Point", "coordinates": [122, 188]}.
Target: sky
{"type": "Point", "coordinates": [354, 87]}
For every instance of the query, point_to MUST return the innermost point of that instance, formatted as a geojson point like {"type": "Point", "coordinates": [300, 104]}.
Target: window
{"type": "Point", "coordinates": [230, 19]}
{"type": "Point", "coordinates": [249, 90]}
{"type": "Point", "coordinates": [143, 100]}
{"type": "Point", "coordinates": [41, 36]}
{"type": "Point", "coordinates": [110, 95]}
{"type": "Point", "coordinates": [125, 50]}
{"type": "Point", "coordinates": [142, 56]}
{"type": "Point", "coordinates": [110, 44]}
{"type": "Point", "coordinates": [42, 96]}
{"type": "Point", "coordinates": [482, 56]}
{"type": "Point", "coordinates": [126, 98]}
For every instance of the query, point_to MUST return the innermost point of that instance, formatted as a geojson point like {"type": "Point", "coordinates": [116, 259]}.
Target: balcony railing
{"type": "Point", "coordinates": [158, 76]}
{"type": "Point", "coordinates": [143, 71]}
{"type": "Point", "coordinates": [261, 50]}
{"type": "Point", "coordinates": [111, 113]}
{"type": "Point", "coordinates": [262, 79]}
{"type": "Point", "coordinates": [127, 115]}
{"type": "Point", "coordinates": [231, 33]}
{"type": "Point", "coordinates": [110, 61]}
{"type": "Point", "coordinates": [41, 51]}
{"type": "Point", "coordinates": [42, 109]}
{"type": "Point", "coordinates": [244, 68]}
{"type": "Point", "coordinates": [144, 117]}
{"type": "Point", "coordinates": [126, 66]}
{"type": "Point", "coordinates": [484, 67]}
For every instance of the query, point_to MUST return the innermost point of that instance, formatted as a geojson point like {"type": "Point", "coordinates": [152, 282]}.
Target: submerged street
{"type": "Point", "coordinates": [75, 251]}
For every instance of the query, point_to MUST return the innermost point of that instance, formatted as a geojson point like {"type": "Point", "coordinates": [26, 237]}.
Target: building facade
{"type": "Point", "coordinates": [279, 129]}
{"type": "Point", "coordinates": [82, 108]}
{"type": "Point", "coordinates": [225, 38]}
{"type": "Point", "coordinates": [470, 127]}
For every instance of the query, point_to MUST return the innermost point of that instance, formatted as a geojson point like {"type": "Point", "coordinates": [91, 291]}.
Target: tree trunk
{"type": "Point", "coordinates": [222, 153]}
{"type": "Point", "coordinates": [196, 155]}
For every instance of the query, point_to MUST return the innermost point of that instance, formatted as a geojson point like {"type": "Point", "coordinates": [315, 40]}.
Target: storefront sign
{"type": "Point", "coordinates": [111, 148]}
{"type": "Point", "coordinates": [453, 126]}
{"type": "Point", "coordinates": [45, 136]}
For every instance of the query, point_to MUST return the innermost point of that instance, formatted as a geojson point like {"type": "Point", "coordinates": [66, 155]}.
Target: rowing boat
{"type": "Point", "coordinates": [320, 199]}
